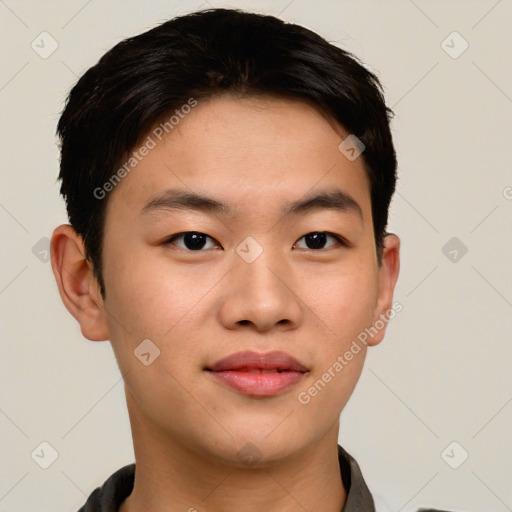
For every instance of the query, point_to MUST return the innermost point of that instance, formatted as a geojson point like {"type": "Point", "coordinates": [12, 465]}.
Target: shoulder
{"type": "Point", "coordinates": [109, 496]}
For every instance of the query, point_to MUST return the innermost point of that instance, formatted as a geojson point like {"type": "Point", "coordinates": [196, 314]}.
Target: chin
{"type": "Point", "coordinates": [263, 450]}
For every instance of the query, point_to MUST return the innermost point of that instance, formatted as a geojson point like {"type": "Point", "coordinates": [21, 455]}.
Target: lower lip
{"type": "Point", "coordinates": [258, 384]}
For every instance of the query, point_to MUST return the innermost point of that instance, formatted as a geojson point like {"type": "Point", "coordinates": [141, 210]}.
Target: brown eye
{"type": "Point", "coordinates": [192, 240]}
{"type": "Point", "coordinates": [317, 240]}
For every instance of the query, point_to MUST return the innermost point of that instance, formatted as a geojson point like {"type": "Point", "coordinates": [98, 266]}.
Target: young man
{"type": "Point", "coordinates": [227, 179]}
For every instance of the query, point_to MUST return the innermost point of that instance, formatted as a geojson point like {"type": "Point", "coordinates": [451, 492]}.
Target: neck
{"type": "Point", "coordinates": [170, 477]}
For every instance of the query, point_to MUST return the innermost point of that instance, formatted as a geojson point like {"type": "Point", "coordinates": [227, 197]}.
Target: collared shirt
{"type": "Point", "coordinates": [119, 486]}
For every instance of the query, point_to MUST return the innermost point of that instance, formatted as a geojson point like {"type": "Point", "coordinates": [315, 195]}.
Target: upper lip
{"type": "Point", "coordinates": [254, 360]}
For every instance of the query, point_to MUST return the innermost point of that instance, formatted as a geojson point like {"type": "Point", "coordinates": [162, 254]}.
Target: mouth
{"type": "Point", "coordinates": [256, 374]}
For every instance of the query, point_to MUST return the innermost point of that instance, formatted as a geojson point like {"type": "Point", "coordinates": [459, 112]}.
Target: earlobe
{"type": "Point", "coordinates": [388, 275]}
{"type": "Point", "coordinates": [77, 285]}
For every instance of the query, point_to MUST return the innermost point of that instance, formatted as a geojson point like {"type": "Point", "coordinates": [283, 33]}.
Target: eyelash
{"type": "Point", "coordinates": [342, 241]}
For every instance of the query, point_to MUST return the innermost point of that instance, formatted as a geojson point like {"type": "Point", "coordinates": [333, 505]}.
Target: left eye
{"type": "Point", "coordinates": [195, 240]}
{"type": "Point", "coordinates": [317, 239]}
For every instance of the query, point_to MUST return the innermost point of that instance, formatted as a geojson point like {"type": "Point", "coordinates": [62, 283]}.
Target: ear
{"type": "Point", "coordinates": [78, 287]}
{"type": "Point", "coordinates": [388, 275]}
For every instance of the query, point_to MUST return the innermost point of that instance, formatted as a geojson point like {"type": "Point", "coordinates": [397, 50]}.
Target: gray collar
{"type": "Point", "coordinates": [119, 486]}
{"type": "Point", "coordinates": [359, 498]}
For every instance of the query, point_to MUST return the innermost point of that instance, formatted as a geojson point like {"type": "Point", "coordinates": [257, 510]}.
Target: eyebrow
{"type": "Point", "coordinates": [176, 199]}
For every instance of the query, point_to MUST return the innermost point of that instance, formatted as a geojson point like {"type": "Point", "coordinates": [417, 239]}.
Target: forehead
{"type": "Point", "coordinates": [248, 153]}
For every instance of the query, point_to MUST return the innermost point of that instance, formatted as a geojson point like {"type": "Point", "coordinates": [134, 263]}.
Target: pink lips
{"type": "Point", "coordinates": [258, 374]}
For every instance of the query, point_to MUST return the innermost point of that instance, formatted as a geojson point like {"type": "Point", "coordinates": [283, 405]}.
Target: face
{"type": "Point", "coordinates": [255, 275]}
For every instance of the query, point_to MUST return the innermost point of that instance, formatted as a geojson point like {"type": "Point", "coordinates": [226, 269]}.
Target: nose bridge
{"type": "Point", "coordinates": [261, 290]}
{"type": "Point", "coordinates": [258, 265]}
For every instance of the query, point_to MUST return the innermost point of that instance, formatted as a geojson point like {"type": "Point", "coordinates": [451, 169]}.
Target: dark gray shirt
{"type": "Point", "coordinates": [119, 486]}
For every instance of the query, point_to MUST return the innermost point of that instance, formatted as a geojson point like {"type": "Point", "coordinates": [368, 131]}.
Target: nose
{"type": "Point", "coordinates": [262, 295]}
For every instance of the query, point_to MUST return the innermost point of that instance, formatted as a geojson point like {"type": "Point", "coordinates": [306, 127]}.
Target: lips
{"type": "Point", "coordinates": [258, 374]}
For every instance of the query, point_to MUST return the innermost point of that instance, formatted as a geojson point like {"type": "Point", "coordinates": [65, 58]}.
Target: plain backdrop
{"type": "Point", "coordinates": [437, 389]}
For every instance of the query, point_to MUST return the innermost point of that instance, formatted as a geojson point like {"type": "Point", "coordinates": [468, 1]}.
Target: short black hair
{"type": "Point", "coordinates": [200, 55]}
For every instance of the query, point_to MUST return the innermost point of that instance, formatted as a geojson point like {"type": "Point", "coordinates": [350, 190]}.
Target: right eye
{"type": "Point", "coordinates": [192, 240]}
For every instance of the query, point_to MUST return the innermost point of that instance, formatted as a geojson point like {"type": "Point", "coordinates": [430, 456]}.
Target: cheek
{"type": "Point", "coordinates": [342, 301]}
{"type": "Point", "coordinates": [147, 298]}
{"type": "Point", "coordinates": [329, 390]}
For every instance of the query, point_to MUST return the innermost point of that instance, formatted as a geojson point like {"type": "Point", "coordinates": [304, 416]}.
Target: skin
{"type": "Point", "coordinates": [256, 155]}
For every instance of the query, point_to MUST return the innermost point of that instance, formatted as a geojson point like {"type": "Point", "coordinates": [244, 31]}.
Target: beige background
{"type": "Point", "coordinates": [443, 372]}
